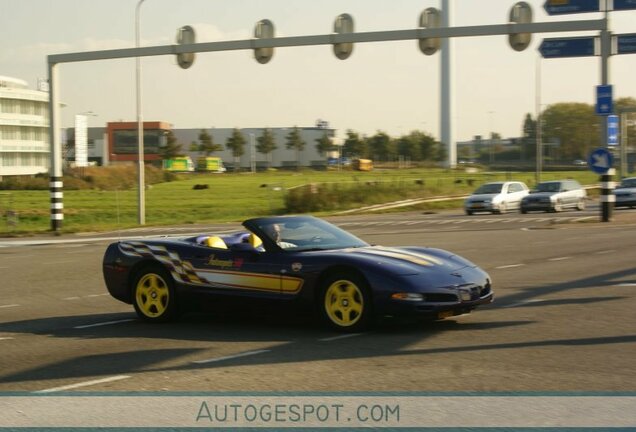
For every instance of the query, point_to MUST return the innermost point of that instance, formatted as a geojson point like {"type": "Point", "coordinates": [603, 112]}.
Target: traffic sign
{"type": "Point", "coordinates": [604, 100]}
{"type": "Point", "coordinates": [612, 130]}
{"type": "Point", "coordinates": [626, 43]}
{"type": "Point", "coordinates": [600, 160]}
{"type": "Point", "coordinates": [561, 7]}
{"type": "Point", "coordinates": [568, 47]}
{"type": "Point", "coordinates": [624, 5]}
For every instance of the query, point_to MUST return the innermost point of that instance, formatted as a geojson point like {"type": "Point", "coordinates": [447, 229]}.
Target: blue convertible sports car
{"type": "Point", "coordinates": [299, 261]}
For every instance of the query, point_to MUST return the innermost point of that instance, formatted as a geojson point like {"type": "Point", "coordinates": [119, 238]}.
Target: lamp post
{"type": "Point", "coordinates": [141, 215]}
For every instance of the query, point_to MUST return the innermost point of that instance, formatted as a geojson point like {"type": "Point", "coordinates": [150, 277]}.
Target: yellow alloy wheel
{"type": "Point", "coordinates": [344, 303]}
{"type": "Point", "coordinates": [152, 295]}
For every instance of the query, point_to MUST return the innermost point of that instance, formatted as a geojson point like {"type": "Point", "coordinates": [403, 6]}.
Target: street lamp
{"type": "Point", "coordinates": [141, 217]}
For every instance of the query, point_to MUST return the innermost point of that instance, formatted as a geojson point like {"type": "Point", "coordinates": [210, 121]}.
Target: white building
{"type": "Point", "coordinates": [24, 128]}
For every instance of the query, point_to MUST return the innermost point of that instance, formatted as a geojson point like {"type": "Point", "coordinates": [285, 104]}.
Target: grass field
{"type": "Point", "coordinates": [234, 197]}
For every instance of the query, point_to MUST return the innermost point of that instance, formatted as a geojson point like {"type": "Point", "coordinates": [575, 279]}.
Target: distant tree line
{"type": "Point", "coordinates": [572, 128]}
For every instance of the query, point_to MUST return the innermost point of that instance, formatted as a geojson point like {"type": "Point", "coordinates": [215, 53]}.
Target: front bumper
{"type": "Point", "coordinates": [436, 310]}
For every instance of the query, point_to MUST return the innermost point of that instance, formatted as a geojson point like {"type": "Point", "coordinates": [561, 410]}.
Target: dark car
{"type": "Point", "coordinates": [626, 193]}
{"type": "Point", "coordinates": [555, 196]}
{"type": "Point", "coordinates": [298, 261]}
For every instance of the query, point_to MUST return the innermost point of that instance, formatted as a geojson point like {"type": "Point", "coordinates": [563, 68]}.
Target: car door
{"type": "Point", "coordinates": [514, 196]}
{"type": "Point", "coordinates": [239, 270]}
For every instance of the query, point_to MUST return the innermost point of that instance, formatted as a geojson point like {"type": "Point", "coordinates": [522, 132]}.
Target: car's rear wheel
{"type": "Point", "coordinates": [469, 212]}
{"type": "Point", "coordinates": [580, 205]}
{"type": "Point", "coordinates": [345, 302]}
{"type": "Point", "coordinates": [153, 292]}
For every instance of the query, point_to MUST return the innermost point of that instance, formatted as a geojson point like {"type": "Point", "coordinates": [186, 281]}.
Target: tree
{"type": "Point", "coordinates": [529, 137]}
{"type": "Point", "coordinates": [207, 145]}
{"type": "Point", "coordinates": [628, 103]}
{"type": "Point", "coordinates": [573, 127]}
{"type": "Point", "coordinates": [354, 146]}
{"type": "Point", "coordinates": [172, 148]}
{"type": "Point", "coordinates": [266, 145]}
{"type": "Point", "coordinates": [295, 142]}
{"type": "Point", "coordinates": [324, 144]}
{"type": "Point", "coordinates": [380, 146]}
{"type": "Point", "coordinates": [236, 143]}
{"type": "Point", "coordinates": [409, 147]}
{"type": "Point", "coordinates": [194, 146]}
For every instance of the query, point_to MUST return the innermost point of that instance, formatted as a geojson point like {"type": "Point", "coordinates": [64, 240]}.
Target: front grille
{"type": "Point", "coordinates": [441, 298]}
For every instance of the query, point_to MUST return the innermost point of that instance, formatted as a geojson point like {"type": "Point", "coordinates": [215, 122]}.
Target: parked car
{"type": "Point", "coordinates": [555, 196]}
{"type": "Point", "coordinates": [496, 197]}
{"type": "Point", "coordinates": [626, 193]}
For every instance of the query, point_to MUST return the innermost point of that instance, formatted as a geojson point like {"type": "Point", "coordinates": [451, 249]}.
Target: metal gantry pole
{"type": "Point", "coordinates": [55, 170]}
{"type": "Point", "coordinates": [446, 86]}
{"type": "Point", "coordinates": [141, 195]}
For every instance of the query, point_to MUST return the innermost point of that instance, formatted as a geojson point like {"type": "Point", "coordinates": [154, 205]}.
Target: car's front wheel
{"type": "Point", "coordinates": [153, 292]}
{"type": "Point", "coordinates": [580, 205]}
{"type": "Point", "coordinates": [345, 302]}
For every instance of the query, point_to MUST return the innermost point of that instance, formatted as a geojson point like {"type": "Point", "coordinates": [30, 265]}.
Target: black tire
{"type": "Point", "coordinates": [345, 302]}
{"type": "Point", "coordinates": [524, 211]}
{"type": "Point", "coordinates": [153, 294]}
{"type": "Point", "coordinates": [469, 212]}
{"type": "Point", "coordinates": [580, 205]}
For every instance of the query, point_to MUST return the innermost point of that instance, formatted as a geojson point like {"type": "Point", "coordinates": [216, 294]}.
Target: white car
{"type": "Point", "coordinates": [555, 196]}
{"type": "Point", "coordinates": [496, 197]}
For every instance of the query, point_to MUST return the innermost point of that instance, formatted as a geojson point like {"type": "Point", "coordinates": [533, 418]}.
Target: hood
{"type": "Point", "coordinates": [410, 261]}
{"type": "Point", "coordinates": [540, 195]}
{"type": "Point", "coordinates": [481, 197]}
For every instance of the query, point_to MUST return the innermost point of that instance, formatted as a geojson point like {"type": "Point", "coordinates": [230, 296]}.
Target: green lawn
{"type": "Point", "coordinates": [234, 197]}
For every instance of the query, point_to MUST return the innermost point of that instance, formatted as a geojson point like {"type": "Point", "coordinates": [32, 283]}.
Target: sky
{"type": "Point", "coordinates": [383, 86]}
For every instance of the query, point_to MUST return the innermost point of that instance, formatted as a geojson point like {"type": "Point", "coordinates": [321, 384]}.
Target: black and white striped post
{"type": "Point", "coordinates": [57, 204]}
{"type": "Point", "coordinates": [607, 195]}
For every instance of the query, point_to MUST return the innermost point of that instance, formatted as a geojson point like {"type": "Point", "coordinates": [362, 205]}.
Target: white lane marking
{"type": "Point", "coordinates": [103, 323]}
{"type": "Point", "coordinates": [59, 262]}
{"type": "Point", "coordinates": [605, 251]}
{"type": "Point", "coordinates": [525, 302]}
{"type": "Point", "coordinates": [333, 338]}
{"type": "Point", "coordinates": [71, 298]}
{"type": "Point", "coordinates": [217, 359]}
{"type": "Point", "coordinates": [6, 338]}
{"type": "Point", "coordinates": [559, 258]}
{"type": "Point", "coordinates": [84, 384]}
{"type": "Point", "coordinates": [509, 266]}
{"type": "Point", "coordinates": [96, 295]}
{"type": "Point", "coordinates": [9, 305]}
{"type": "Point", "coordinates": [627, 284]}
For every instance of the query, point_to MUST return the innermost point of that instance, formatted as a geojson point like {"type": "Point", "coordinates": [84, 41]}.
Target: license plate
{"type": "Point", "coordinates": [445, 314]}
{"type": "Point", "coordinates": [477, 206]}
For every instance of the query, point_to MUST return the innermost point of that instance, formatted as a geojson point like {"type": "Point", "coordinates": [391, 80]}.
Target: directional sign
{"type": "Point", "coordinates": [612, 130]}
{"type": "Point", "coordinates": [624, 5]}
{"type": "Point", "coordinates": [626, 43]}
{"type": "Point", "coordinates": [568, 47]}
{"type": "Point", "coordinates": [600, 160]}
{"type": "Point", "coordinates": [560, 7]}
{"type": "Point", "coordinates": [604, 100]}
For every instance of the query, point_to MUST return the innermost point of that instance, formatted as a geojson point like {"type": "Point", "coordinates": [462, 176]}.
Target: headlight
{"type": "Point", "coordinates": [408, 296]}
{"type": "Point", "coordinates": [487, 200]}
{"type": "Point", "coordinates": [464, 295]}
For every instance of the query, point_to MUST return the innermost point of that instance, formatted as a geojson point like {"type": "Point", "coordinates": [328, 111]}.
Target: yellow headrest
{"type": "Point", "coordinates": [254, 240]}
{"type": "Point", "coordinates": [215, 242]}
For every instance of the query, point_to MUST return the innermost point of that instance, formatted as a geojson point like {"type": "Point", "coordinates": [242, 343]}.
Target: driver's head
{"type": "Point", "coordinates": [273, 232]}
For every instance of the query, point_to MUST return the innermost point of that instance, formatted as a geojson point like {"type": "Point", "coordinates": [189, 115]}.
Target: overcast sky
{"type": "Point", "coordinates": [388, 86]}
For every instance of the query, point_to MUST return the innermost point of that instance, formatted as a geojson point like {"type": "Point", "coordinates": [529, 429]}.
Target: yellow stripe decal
{"type": "Point", "coordinates": [414, 258]}
{"type": "Point", "coordinates": [253, 281]}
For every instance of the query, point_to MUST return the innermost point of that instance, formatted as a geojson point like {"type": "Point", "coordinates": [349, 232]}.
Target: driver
{"type": "Point", "coordinates": [273, 232]}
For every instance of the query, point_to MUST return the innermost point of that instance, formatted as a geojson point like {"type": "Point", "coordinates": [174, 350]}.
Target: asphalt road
{"type": "Point", "coordinates": [563, 320]}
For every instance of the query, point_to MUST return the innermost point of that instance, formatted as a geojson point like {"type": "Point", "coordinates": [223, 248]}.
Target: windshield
{"type": "Point", "coordinates": [549, 187]}
{"type": "Point", "coordinates": [489, 188]}
{"type": "Point", "coordinates": [628, 183]}
{"type": "Point", "coordinates": [307, 233]}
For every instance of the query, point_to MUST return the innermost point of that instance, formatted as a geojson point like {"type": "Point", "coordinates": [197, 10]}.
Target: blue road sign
{"type": "Point", "coordinates": [624, 5]}
{"type": "Point", "coordinates": [604, 100]}
{"type": "Point", "coordinates": [600, 160]}
{"type": "Point", "coordinates": [626, 43]}
{"type": "Point", "coordinates": [567, 47]}
{"type": "Point", "coordinates": [612, 130]}
{"type": "Point", "coordinates": [560, 7]}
